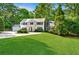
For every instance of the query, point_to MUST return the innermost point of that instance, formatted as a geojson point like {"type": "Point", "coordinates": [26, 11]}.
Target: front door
{"type": "Point", "coordinates": [30, 29]}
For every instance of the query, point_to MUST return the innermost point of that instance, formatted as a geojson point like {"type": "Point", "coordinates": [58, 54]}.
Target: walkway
{"type": "Point", "coordinates": [8, 34]}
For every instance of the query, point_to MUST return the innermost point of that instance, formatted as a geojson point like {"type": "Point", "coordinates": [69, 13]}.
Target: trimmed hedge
{"type": "Point", "coordinates": [39, 29]}
{"type": "Point", "coordinates": [23, 30]}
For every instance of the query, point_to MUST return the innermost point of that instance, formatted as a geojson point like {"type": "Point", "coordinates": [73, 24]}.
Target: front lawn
{"type": "Point", "coordinates": [41, 44]}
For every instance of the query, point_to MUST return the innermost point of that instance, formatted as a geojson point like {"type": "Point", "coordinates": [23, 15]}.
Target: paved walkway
{"type": "Point", "coordinates": [30, 33]}
{"type": "Point", "coordinates": [8, 34]}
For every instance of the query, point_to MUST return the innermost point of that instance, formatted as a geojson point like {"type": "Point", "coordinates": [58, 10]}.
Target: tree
{"type": "Point", "coordinates": [31, 15]}
{"type": "Point", "coordinates": [72, 10]}
{"type": "Point", "coordinates": [44, 10]}
{"type": "Point", "coordinates": [59, 27]}
{"type": "Point", "coordinates": [12, 14]}
{"type": "Point", "coordinates": [72, 18]}
{"type": "Point", "coordinates": [2, 25]}
{"type": "Point", "coordinates": [20, 15]}
{"type": "Point", "coordinates": [7, 11]}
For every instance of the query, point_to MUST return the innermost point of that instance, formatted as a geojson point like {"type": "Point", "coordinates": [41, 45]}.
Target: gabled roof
{"type": "Point", "coordinates": [33, 20]}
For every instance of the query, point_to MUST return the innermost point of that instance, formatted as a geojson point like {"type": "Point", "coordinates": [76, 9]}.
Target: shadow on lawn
{"type": "Point", "coordinates": [25, 47]}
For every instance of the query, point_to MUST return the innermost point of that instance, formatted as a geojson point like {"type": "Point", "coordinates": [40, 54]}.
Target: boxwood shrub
{"type": "Point", "coordinates": [23, 30]}
{"type": "Point", "coordinates": [39, 29]}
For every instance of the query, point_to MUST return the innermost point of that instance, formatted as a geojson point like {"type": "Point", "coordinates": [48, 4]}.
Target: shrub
{"type": "Point", "coordinates": [2, 27]}
{"type": "Point", "coordinates": [74, 28]}
{"type": "Point", "coordinates": [39, 29]}
{"type": "Point", "coordinates": [23, 30]}
{"type": "Point", "coordinates": [50, 31]}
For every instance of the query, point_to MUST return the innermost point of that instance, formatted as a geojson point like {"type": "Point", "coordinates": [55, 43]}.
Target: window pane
{"type": "Point", "coordinates": [39, 23]}
{"type": "Point", "coordinates": [24, 23]}
{"type": "Point", "coordinates": [31, 23]}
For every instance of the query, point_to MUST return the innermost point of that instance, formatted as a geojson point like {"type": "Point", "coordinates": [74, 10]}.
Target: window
{"type": "Point", "coordinates": [39, 23]}
{"type": "Point", "coordinates": [31, 23]}
{"type": "Point", "coordinates": [24, 23]}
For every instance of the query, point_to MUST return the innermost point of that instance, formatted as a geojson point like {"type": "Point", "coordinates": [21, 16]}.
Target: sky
{"type": "Point", "coordinates": [28, 6]}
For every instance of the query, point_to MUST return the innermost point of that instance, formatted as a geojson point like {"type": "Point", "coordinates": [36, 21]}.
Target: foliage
{"type": "Point", "coordinates": [21, 14]}
{"type": "Point", "coordinates": [7, 10]}
{"type": "Point", "coordinates": [23, 30]}
{"type": "Point", "coordinates": [1, 25]}
{"type": "Point", "coordinates": [73, 28]}
{"type": "Point", "coordinates": [12, 14]}
{"type": "Point", "coordinates": [44, 10]}
{"type": "Point", "coordinates": [66, 20]}
{"type": "Point", "coordinates": [39, 29]}
{"type": "Point", "coordinates": [72, 18]}
{"type": "Point", "coordinates": [59, 27]}
{"type": "Point", "coordinates": [66, 16]}
{"type": "Point", "coordinates": [31, 15]}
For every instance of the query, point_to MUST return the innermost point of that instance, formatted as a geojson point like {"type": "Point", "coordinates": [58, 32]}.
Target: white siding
{"type": "Point", "coordinates": [15, 28]}
{"type": "Point", "coordinates": [34, 26]}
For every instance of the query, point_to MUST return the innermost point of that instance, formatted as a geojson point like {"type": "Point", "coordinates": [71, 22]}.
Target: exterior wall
{"type": "Point", "coordinates": [16, 28]}
{"type": "Point", "coordinates": [32, 27]}
{"type": "Point", "coordinates": [51, 25]}
{"type": "Point", "coordinates": [42, 26]}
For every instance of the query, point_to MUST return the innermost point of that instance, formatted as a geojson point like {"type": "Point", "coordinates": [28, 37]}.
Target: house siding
{"type": "Point", "coordinates": [16, 28]}
{"type": "Point", "coordinates": [34, 26]}
{"type": "Point", "coordinates": [27, 23]}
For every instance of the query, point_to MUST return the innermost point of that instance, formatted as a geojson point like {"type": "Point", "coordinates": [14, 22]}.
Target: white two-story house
{"type": "Point", "coordinates": [32, 24]}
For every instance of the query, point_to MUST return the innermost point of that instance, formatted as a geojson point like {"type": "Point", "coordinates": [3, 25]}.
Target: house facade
{"type": "Point", "coordinates": [51, 25]}
{"type": "Point", "coordinates": [16, 27]}
{"type": "Point", "coordinates": [32, 24]}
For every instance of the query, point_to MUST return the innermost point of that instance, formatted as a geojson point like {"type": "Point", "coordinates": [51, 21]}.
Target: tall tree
{"type": "Point", "coordinates": [73, 18]}
{"type": "Point", "coordinates": [7, 10]}
{"type": "Point", "coordinates": [59, 21]}
{"type": "Point", "coordinates": [20, 15]}
{"type": "Point", "coordinates": [44, 10]}
{"type": "Point", "coordinates": [72, 10]}
{"type": "Point", "coordinates": [2, 25]}
{"type": "Point", "coordinates": [31, 15]}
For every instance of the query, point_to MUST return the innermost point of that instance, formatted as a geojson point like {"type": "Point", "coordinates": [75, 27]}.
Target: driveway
{"type": "Point", "coordinates": [8, 34]}
{"type": "Point", "coordinates": [30, 33]}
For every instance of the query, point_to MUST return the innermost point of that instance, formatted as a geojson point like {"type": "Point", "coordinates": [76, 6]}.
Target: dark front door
{"type": "Point", "coordinates": [30, 29]}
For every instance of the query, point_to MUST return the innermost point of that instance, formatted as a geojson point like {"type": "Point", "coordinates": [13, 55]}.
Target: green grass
{"type": "Point", "coordinates": [41, 44]}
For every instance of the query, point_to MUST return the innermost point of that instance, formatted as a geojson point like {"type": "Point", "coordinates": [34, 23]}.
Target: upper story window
{"type": "Point", "coordinates": [31, 23]}
{"type": "Point", "coordinates": [24, 23]}
{"type": "Point", "coordinates": [39, 23]}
